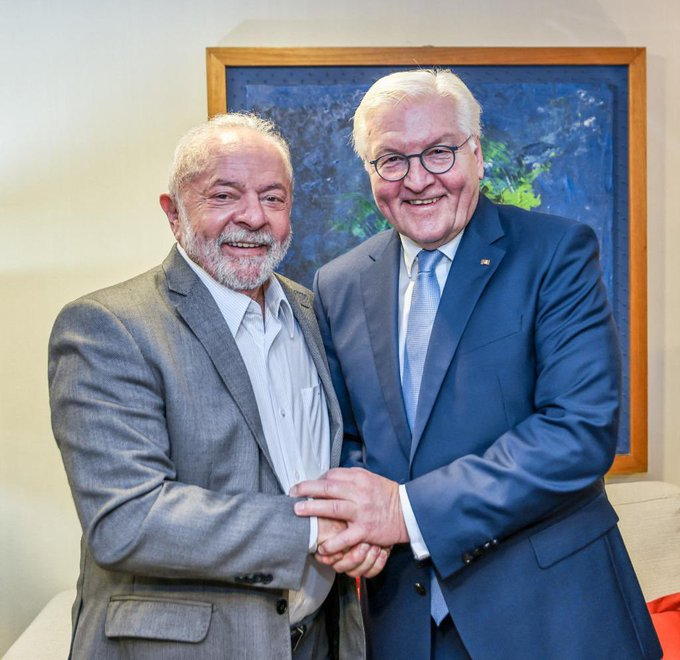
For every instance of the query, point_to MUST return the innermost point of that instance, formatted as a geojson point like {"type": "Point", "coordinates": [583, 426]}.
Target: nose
{"type": "Point", "coordinates": [252, 214]}
{"type": "Point", "coordinates": [417, 177]}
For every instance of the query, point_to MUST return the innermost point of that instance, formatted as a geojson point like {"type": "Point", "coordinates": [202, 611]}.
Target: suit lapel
{"type": "Point", "coordinates": [301, 304]}
{"type": "Point", "coordinates": [200, 312]}
{"type": "Point", "coordinates": [473, 266]}
{"type": "Point", "coordinates": [380, 290]}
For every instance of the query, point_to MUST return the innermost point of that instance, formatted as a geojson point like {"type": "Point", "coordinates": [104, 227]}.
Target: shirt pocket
{"type": "Point", "coordinates": [315, 449]}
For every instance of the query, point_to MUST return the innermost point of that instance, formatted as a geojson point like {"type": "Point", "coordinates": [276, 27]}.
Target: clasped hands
{"type": "Point", "coordinates": [359, 516]}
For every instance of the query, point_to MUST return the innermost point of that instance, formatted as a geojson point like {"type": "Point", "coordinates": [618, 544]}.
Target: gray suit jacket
{"type": "Point", "coordinates": [189, 543]}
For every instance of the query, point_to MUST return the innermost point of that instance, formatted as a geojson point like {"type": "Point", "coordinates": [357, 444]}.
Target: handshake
{"type": "Point", "coordinates": [360, 519]}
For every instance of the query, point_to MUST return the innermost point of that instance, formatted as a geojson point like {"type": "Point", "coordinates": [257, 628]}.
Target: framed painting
{"type": "Point", "coordinates": [564, 132]}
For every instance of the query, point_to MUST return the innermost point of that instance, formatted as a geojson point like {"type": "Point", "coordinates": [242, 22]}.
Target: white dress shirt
{"type": "Point", "coordinates": [407, 278]}
{"type": "Point", "coordinates": [291, 403]}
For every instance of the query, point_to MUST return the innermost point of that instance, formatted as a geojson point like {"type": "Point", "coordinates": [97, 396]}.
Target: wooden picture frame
{"type": "Point", "coordinates": [629, 222]}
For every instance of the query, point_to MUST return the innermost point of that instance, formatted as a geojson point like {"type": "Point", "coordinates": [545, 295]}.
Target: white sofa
{"type": "Point", "coordinates": [649, 519]}
{"type": "Point", "coordinates": [649, 513]}
{"type": "Point", "coordinates": [48, 636]}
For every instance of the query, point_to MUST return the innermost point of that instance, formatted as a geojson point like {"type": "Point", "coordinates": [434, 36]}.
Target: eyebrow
{"type": "Point", "coordinates": [274, 186]}
{"type": "Point", "coordinates": [444, 139]}
{"type": "Point", "coordinates": [226, 182]}
{"type": "Point", "coordinates": [238, 185]}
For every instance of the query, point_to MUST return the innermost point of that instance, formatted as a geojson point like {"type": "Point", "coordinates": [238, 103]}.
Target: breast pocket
{"type": "Point", "coordinates": [484, 334]}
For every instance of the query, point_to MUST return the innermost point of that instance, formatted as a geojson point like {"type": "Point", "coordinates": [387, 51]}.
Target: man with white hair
{"type": "Point", "coordinates": [476, 362]}
{"type": "Point", "coordinates": [186, 402]}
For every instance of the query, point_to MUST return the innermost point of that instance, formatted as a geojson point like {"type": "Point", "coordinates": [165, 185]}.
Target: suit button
{"type": "Point", "coordinates": [281, 606]}
{"type": "Point", "coordinates": [420, 589]}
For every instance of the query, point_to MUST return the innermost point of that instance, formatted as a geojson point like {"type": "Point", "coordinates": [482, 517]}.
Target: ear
{"type": "Point", "coordinates": [170, 208]}
{"type": "Point", "coordinates": [479, 158]}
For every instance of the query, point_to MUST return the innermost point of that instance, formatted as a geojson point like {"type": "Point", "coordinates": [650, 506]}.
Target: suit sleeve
{"type": "Point", "coordinates": [566, 445]}
{"type": "Point", "coordinates": [138, 515]}
{"type": "Point", "coordinates": [352, 447]}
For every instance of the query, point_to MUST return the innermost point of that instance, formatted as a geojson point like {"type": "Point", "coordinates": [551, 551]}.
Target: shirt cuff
{"type": "Point", "coordinates": [313, 534]}
{"type": "Point", "coordinates": [418, 546]}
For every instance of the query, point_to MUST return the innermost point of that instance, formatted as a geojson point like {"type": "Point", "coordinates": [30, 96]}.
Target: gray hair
{"type": "Point", "coordinates": [416, 84]}
{"type": "Point", "coordinates": [194, 147]}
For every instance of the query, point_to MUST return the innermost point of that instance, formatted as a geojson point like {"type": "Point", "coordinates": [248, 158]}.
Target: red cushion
{"type": "Point", "coordinates": [665, 613]}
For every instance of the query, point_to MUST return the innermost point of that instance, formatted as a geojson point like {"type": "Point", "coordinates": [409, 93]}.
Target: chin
{"type": "Point", "coordinates": [429, 240]}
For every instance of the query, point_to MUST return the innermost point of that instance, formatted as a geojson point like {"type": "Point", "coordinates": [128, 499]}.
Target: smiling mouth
{"type": "Point", "coordinates": [423, 202]}
{"type": "Point", "coordinates": [245, 245]}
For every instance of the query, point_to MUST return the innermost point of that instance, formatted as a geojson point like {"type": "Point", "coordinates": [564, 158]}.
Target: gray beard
{"type": "Point", "coordinates": [236, 273]}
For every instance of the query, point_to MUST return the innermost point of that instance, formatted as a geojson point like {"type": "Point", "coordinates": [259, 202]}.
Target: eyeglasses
{"type": "Point", "coordinates": [436, 160]}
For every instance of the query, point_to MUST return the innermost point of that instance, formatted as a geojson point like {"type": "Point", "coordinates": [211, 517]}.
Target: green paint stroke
{"type": "Point", "coordinates": [508, 179]}
{"type": "Point", "coordinates": [363, 218]}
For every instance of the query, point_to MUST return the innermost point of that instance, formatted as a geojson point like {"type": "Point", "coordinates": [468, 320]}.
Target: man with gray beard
{"type": "Point", "coordinates": [186, 403]}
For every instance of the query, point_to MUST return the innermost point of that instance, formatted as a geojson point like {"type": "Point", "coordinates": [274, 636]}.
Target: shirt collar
{"type": "Point", "coordinates": [234, 304]}
{"type": "Point", "coordinates": [277, 305]}
{"type": "Point", "coordinates": [410, 249]}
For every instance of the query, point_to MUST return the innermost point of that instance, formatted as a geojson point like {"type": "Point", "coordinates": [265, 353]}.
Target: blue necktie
{"type": "Point", "coordinates": [424, 305]}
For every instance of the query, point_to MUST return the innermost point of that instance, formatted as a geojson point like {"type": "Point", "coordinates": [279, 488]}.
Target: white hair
{"type": "Point", "coordinates": [412, 85]}
{"type": "Point", "coordinates": [193, 150]}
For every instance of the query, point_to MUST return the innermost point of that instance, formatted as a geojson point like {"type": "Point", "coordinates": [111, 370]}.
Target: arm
{"type": "Point", "coordinates": [141, 511]}
{"type": "Point", "coordinates": [565, 445]}
{"type": "Point", "coordinates": [352, 447]}
{"type": "Point", "coordinates": [360, 559]}
{"type": "Point", "coordinates": [559, 450]}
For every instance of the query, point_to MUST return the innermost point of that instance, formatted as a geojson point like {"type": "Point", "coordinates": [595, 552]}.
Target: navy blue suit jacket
{"type": "Point", "coordinates": [516, 425]}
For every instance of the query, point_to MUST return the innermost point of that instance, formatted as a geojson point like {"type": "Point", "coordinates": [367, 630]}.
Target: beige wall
{"type": "Point", "coordinates": [92, 98]}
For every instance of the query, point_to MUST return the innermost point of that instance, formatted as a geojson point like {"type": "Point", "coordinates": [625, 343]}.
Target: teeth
{"type": "Point", "coordinates": [245, 245]}
{"type": "Point", "coordinates": [421, 202]}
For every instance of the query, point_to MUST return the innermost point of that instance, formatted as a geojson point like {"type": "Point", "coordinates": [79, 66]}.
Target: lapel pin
{"type": "Point", "coordinates": [485, 262]}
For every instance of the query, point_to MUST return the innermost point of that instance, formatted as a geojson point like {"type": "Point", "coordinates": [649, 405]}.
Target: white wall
{"type": "Point", "coordinates": [92, 99]}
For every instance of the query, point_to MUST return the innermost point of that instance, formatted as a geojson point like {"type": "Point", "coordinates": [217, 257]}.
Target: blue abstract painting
{"type": "Point", "coordinates": [554, 139]}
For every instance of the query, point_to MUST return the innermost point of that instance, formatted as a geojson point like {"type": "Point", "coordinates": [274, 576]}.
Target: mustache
{"type": "Point", "coordinates": [246, 236]}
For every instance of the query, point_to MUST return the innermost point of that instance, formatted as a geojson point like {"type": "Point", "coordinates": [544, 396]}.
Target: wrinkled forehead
{"type": "Point", "coordinates": [241, 142]}
{"type": "Point", "coordinates": [237, 141]}
{"type": "Point", "coordinates": [424, 120]}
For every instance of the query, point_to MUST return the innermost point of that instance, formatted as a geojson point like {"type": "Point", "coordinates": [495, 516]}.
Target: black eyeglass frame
{"type": "Point", "coordinates": [452, 149]}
